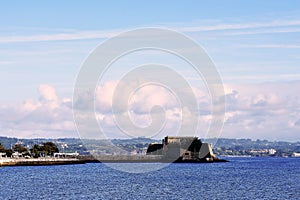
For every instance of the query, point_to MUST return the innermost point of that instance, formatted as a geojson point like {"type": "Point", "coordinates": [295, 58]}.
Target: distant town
{"type": "Point", "coordinates": [14, 147]}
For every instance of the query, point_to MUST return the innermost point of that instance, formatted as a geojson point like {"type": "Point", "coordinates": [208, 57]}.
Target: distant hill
{"type": "Point", "coordinates": [8, 142]}
{"type": "Point", "coordinates": [223, 146]}
{"type": "Point", "coordinates": [250, 144]}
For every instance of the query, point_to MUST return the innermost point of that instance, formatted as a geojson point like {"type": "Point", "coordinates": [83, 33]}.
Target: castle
{"type": "Point", "coordinates": [182, 149]}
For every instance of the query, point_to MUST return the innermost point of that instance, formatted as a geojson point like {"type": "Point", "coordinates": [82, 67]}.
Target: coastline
{"type": "Point", "coordinates": [99, 159]}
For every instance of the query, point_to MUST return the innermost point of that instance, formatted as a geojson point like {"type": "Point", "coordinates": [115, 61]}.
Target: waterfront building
{"type": "Point", "coordinates": [66, 155]}
{"type": "Point", "coordinates": [296, 154]}
{"type": "Point", "coordinates": [3, 155]}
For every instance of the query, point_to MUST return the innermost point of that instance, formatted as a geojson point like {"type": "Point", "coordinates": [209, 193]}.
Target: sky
{"type": "Point", "coordinates": [255, 46]}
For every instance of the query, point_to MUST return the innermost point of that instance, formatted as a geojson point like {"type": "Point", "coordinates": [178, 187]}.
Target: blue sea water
{"type": "Point", "coordinates": [242, 178]}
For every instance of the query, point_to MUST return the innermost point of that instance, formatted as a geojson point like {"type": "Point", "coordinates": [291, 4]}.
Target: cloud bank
{"type": "Point", "coordinates": [258, 111]}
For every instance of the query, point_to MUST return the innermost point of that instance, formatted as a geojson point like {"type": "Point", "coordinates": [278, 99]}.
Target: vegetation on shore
{"type": "Point", "coordinates": [45, 149]}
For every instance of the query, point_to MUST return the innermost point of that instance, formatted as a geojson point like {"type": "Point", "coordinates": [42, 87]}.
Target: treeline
{"type": "Point", "coordinates": [45, 149]}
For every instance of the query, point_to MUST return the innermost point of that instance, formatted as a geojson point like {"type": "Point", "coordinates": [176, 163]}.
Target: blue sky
{"type": "Point", "coordinates": [255, 44]}
{"type": "Point", "coordinates": [124, 14]}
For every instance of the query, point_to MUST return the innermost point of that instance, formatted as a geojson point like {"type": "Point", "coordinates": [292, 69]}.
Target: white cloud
{"type": "Point", "coordinates": [242, 26]}
{"type": "Point", "coordinates": [263, 31]}
{"type": "Point", "coordinates": [79, 35]}
{"type": "Point", "coordinates": [47, 116]}
{"type": "Point", "coordinates": [104, 95]}
{"type": "Point", "coordinates": [47, 93]}
{"type": "Point", "coordinates": [266, 110]}
{"type": "Point", "coordinates": [147, 97]}
{"type": "Point", "coordinates": [138, 106]}
{"type": "Point", "coordinates": [271, 46]}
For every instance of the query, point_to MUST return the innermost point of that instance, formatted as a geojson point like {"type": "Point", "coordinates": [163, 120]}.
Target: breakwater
{"type": "Point", "coordinates": [121, 158]}
{"type": "Point", "coordinates": [143, 159]}
{"type": "Point", "coordinates": [38, 161]}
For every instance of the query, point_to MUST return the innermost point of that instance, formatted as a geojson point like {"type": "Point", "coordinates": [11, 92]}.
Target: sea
{"type": "Point", "coordinates": [241, 178]}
